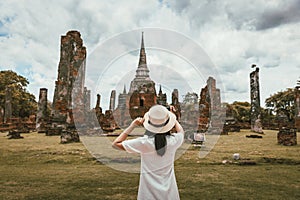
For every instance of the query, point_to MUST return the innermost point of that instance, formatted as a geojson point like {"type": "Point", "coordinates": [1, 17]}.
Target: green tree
{"type": "Point", "coordinates": [23, 103]}
{"type": "Point", "coordinates": [282, 102]}
{"type": "Point", "coordinates": [239, 110]}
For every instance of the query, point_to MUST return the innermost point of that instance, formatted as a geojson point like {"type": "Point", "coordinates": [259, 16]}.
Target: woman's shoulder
{"type": "Point", "coordinates": [176, 138]}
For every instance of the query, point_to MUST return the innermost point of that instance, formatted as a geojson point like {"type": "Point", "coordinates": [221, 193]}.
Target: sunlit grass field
{"type": "Point", "coordinates": [39, 167]}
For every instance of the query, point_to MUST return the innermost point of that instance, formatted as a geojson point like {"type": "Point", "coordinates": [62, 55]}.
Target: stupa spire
{"type": "Point", "coordinates": [142, 70]}
{"type": "Point", "coordinates": [160, 91]}
{"type": "Point", "coordinates": [124, 89]}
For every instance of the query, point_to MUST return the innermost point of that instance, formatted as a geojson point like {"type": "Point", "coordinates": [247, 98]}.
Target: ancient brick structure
{"type": "Point", "coordinates": [112, 100]}
{"type": "Point", "coordinates": [217, 113]}
{"type": "Point", "coordinates": [176, 104]}
{"type": "Point", "coordinates": [255, 115]}
{"type": "Point", "coordinates": [214, 93]}
{"type": "Point", "coordinates": [87, 99]}
{"type": "Point", "coordinates": [161, 98]}
{"type": "Point", "coordinates": [68, 136]}
{"type": "Point", "coordinates": [8, 103]}
{"type": "Point", "coordinates": [42, 117]}
{"type": "Point", "coordinates": [15, 125]}
{"type": "Point", "coordinates": [204, 109]}
{"type": "Point", "coordinates": [121, 113]}
{"type": "Point", "coordinates": [142, 93]}
{"type": "Point", "coordinates": [230, 125]}
{"type": "Point", "coordinates": [98, 109]}
{"type": "Point", "coordinates": [98, 101]}
{"type": "Point", "coordinates": [71, 65]}
{"type": "Point", "coordinates": [287, 137]}
{"type": "Point", "coordinates": [211, 114]}
{"type": "Point", "coordinates": [69, 85]}
{"type": "Point", "coordinates": [297, 106]}
{"type": "Point", "coordinates": [142, 100]}
{"type": "Point", "coordinates": [106, 121]}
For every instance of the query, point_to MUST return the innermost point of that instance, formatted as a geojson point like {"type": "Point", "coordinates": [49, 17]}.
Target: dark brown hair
{"type": "Point", "coordinates": [160, 141]}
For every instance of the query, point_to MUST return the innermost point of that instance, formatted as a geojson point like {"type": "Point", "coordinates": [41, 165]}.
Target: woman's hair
{"type": "Point", "coordinates": [160, 141]}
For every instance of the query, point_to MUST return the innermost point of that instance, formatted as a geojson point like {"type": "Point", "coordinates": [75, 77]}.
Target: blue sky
{"type": "Point", "coordinates": [234, 34]}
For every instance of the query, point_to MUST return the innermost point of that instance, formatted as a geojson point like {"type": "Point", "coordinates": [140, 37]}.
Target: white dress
{"type": "Point", "coordinates": [157, 178]}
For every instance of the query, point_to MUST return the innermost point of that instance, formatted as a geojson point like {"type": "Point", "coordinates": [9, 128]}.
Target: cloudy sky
{"type": "Point", "coordinates": [234, 34]}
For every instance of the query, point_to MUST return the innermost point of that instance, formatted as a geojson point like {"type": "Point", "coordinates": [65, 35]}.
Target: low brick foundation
{"type": "Point", "coordinates": [287, 137]}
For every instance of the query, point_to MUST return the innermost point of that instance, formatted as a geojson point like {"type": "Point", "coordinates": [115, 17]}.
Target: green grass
{"type": "Point", "coordinates": [38, 167]}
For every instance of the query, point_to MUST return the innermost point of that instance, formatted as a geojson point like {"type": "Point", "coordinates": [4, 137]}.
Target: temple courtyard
{"type": "Point", "coordinates": [39, 167]}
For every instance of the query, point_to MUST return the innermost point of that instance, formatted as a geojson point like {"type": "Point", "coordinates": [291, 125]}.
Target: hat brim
{"type": "Point", "coordinates": [164, 129]}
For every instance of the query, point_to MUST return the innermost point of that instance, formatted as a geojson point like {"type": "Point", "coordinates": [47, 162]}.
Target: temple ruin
{"type": "Point", "coordinates": [87, 100]}
{"type": "Point", "coordinates": [176, 104]}
{"type": "Point", "coordinates": [112, 100]}
{"type": "Point", "coordinates": [42, 116]}
{"type": "Point", "coordinates": [121, 113]}
{"type": "Point", "coordinates": [161, 97]}
{"type": "Point", "coordinates": [142, 89]}
{"type": "Point", "coordinates": [14, 125]}
{"type": "Point", "coordinates": [287, 136]}
{"type": "Point", "coordinates": [106, 120]}
{"type": "Point", "coordinates": [255, 112]}
{"type": "Point", "coordinates": [141, 95]}
{"type": "Point", "coordinates": [139, 99]}
{"type": "Point", "coordinates": [69, 86]}
{"type": "Point", "coordinates": [211, 114]}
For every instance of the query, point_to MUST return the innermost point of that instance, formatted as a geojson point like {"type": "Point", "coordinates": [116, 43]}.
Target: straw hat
{"type": "Point", "coordinates": [159, 119]}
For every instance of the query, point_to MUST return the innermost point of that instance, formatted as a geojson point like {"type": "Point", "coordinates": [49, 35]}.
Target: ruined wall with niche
{"type": "Point", "coordinates": [141, 100]}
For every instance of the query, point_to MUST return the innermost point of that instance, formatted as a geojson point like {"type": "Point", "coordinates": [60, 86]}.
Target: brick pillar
{"type": "Point", "coordinates": [112, 100]}
{"type": "Point", "coordinates": [42, 112]}
{"type": "Point", "coordinates": [255, 114]}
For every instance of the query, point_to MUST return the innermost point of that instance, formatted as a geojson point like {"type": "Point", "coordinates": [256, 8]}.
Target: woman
{"type": "Point", "coordinates": [157, 148]}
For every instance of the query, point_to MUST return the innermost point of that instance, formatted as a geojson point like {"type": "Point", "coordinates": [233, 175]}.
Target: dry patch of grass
{"type": "Point", "coordinates": [38, 167]}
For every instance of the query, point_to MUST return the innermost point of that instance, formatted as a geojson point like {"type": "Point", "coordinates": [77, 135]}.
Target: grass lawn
{"type": "Point", "coordinates": [38, 167]}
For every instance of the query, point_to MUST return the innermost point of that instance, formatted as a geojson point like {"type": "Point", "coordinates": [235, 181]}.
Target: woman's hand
{"type": "Point", "coordinates": [117, 143]}
{"type": "Point", "coordinates": [138, 121]}
{"type": "Point", "coordinates": [173, 109]}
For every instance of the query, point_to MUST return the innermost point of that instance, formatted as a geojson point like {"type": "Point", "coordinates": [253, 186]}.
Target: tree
{"type": "Point", "coordinates": [23, 103]}
{"type": "Point", "coordinates": [282, 102]}
{"type": "Point", "coordinates": [239, 110]}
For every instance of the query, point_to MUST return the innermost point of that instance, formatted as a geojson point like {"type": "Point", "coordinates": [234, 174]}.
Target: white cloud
{"type": "Point", "coordinates": [234, 34]}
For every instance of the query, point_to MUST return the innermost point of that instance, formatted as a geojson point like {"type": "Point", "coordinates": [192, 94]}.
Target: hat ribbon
{"type": "Point", "coordinates": [159, 125]}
